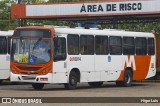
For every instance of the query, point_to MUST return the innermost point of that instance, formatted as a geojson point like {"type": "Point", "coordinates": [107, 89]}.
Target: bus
{"type": "Point", "coordinates": [41, 55]}
{"type": "Point", "coordinates": [5, 38]}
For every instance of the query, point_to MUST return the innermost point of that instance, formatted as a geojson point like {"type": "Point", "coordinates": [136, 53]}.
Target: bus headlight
{"type": "Point", "coordinates": [13, 70]}
{"type": "Point", "coordinates": [45, 71]}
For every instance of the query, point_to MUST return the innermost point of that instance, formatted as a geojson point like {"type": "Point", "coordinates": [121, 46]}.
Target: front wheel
{"type": "Point", "coordinates": [38, 86]}
{"type": "Point", "coordinates": [73, 79]}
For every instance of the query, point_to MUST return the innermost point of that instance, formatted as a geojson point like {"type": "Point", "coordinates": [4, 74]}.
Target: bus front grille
{"type": "Point", "coordinates": [29, 68]}
{"type": "Point", "coordinates": [29, 73]}
{"type": "Point", "coordinates": [28, 77]}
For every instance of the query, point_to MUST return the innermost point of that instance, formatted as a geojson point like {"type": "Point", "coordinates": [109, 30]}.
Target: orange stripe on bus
{"type": "Point", "coordinates": [142, 68]}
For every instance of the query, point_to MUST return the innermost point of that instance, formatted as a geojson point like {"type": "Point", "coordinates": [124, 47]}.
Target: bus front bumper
{"type": "Point", "coordinates": [31, 78]}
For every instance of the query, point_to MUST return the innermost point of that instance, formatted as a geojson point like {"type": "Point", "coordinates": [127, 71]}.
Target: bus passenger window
{"type": "Point", "coordinates": [87, 44]}
{"type": "Point", "coordinates": [73, 44]}
{"type": "Point", "coordinates": [128, 46]}
{"type": "Point", "coordinates": [151, 47]}
{"type": "Point", "coordinates": [115, 45]}
{"type": "Point", "coordinates": [141, 46]}
{"type": "Point", "coordinates": [59, 49]}
{"type": "Point", "coordinates": [101, 45]}
{"type": "Point", "coordinates": [3, 45]}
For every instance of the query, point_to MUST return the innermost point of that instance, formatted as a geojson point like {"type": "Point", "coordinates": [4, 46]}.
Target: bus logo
{"type": "Point", "coordinates": [129, 61]}
{"type": "Point", "coordinates": [6, 100]}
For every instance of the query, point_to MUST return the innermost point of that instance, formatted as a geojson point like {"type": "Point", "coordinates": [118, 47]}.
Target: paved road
{"type": "Point", "coordinates": [109, 89]}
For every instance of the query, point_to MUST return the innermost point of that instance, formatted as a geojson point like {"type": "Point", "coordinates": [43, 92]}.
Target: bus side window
{"type": "Point", "coordinates": [101, 45]}
{"type": "Point", "coordinates": [151, 47]}
{"type": "Point", "coordinates": [87, 44]}
{"type": "Point", "coordinates": [3, 45]}
{"type": "Point", "coordinates": [115, 45]}
{"type": "Point", "coordinates": [59, 49]}
{"type": "Point", "coordinates": [128, 46]}
{"type": "Point", "coordinates": [141, 46]}
{"type": "Point", "coordinates": [73, 44]}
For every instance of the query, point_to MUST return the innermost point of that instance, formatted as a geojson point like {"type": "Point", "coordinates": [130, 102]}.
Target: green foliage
{"type": "Point", "coordinates": [31, 1]}
{"type": "Point", "coordinates": [141, 26]}
{"type": "Point", "coordinates": [5, 22]}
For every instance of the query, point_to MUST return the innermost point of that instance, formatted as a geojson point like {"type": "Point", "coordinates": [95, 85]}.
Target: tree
{"type": "Point", "coordinates": [5, 11]}
{"type": "Point", "coordinates": [31, 1]}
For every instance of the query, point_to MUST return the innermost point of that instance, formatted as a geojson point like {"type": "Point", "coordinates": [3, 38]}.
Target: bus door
{"type": "Point", "coordinates": [59, 59]}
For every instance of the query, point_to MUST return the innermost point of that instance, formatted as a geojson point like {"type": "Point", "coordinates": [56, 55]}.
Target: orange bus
{"type": "Point", "coordinates": [42, 55]}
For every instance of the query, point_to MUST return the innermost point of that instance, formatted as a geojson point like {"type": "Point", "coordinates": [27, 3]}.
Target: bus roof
{"type": "Point", "coordinates": [102, 32]}
{"type": "Point", "coordinates": [91, 31]}
{"type": "Point", "coordinates": [6, 33]}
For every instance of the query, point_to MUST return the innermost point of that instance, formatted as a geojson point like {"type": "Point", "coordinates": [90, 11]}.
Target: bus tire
{"type": "Point", "coordinates": [73, 80]}
{"type": "Point", "coordinates": [127, 79]}
{"type": "Point", "coordinates": [95, 84]}
{"type": "Point", "coordinates": [37, 86]}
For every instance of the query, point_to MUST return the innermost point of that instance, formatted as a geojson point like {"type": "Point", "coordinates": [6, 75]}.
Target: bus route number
{"type": "Point", "coordinates": [23, 59]}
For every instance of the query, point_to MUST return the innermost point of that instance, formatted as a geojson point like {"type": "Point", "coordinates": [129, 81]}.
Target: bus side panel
{"type": "Point", "coordinates": [85, 64]}
{"type": "Point", "coordinates": [109, 67]}
{"type": "Point", "coordinates": [142, 66]}
{"type": "Point", "coordinates": [152, 68]}
{"type": "Point", "coordinates": [59, 72]}
{"type": "Point", "coordinates": [4, 66]}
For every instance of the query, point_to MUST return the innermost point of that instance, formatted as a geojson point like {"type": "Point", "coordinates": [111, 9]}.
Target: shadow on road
{"type": "Point", "coordinates": [60, 87]}
{"type": "Point", "coordinates": [7, 82]}
{"type": "Point", "coordinates": [87, 87]}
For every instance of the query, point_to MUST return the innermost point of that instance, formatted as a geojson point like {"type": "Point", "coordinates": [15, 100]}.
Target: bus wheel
{"type": "Point", "coordinates": [95, 84]}
{"type": "Point", "coordinates": [38, 86]}
{"type": "Point", "coordinates": [127, 80]}
{"type": "Point", "coordinates": [73, 79]}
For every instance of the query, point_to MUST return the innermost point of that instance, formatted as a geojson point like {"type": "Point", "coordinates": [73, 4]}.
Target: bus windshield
{"type": "Point", "coordinates": [31, 51]}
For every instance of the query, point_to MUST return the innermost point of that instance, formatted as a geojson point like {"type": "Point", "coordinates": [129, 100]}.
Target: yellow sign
{"type": "Point", "coordinates": [23, 58]}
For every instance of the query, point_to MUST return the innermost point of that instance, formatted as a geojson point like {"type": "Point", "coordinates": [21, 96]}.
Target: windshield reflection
{"type": "Point", "coordinates": [31, 51]}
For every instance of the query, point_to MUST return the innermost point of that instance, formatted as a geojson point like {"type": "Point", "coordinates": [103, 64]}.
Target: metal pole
{"type": "Point", "coordinates": [18, 21]}
{"type": "Point", "coordinates": [19, 1]}
{"type": "Point", "coordinates": [114, 22]}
